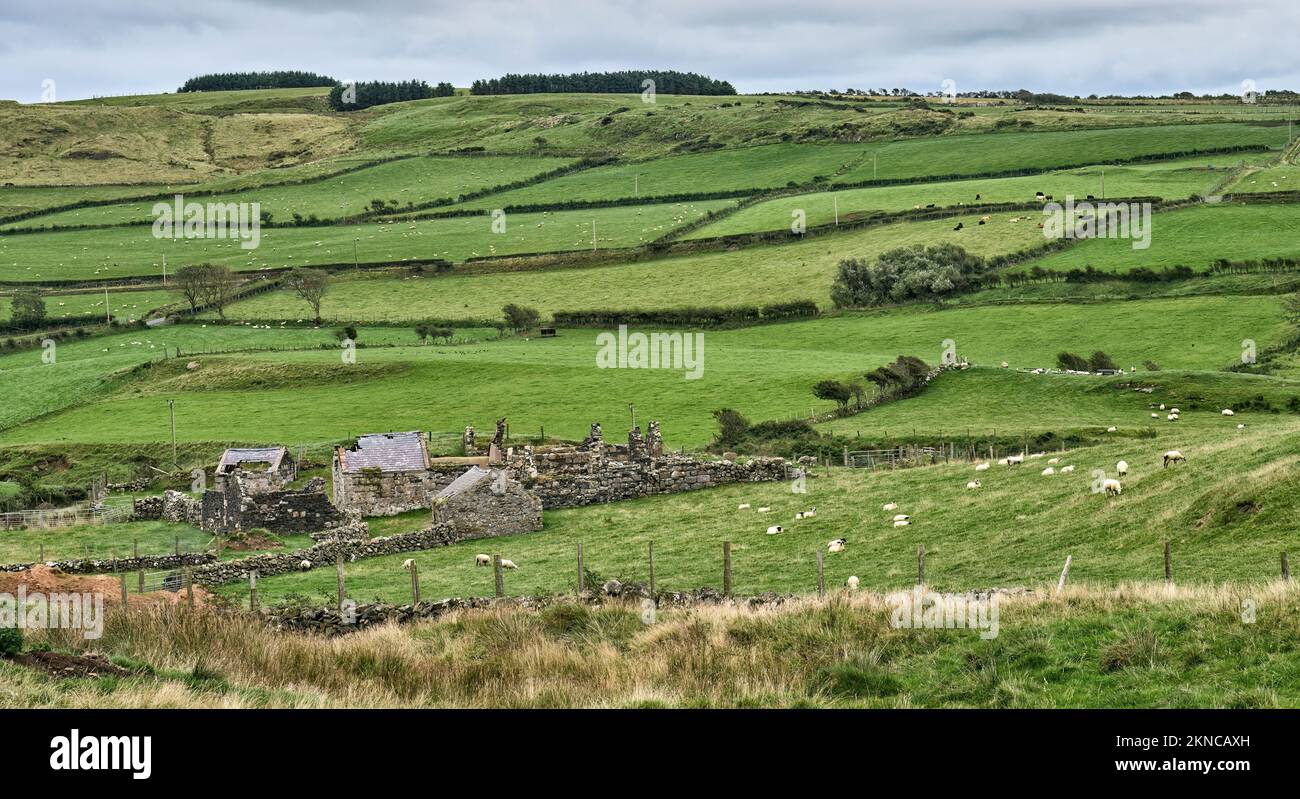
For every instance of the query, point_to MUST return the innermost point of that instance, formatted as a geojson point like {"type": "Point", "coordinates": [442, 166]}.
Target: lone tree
{"type": "Point", "coordinates": [222, 285]}
{"type": "Point", "coordinates": [520, 317]}
{"type": "Point", "coordinates": [27, 308]}
{"type": "Point", "coordinates": [192, 284]}
{"type": "Point", "coordinates": [1071, 362]}
{"type": "Point", "coordinates": [207, 285]}
{"type": "Point", "coordinates": [834, 390]}
{"type": "Point", "coordinates": [1101, 360]}
{"type": "Point", "coordinates": [310, 285]}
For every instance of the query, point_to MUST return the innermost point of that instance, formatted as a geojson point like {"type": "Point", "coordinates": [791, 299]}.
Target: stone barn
{"type": "Point", "coordinates": [271, 465]}
{"type": "Point", "coordinates": [385, 474]}
{"type": "Point", "coordinates": [252, 491]}
{"type": "Point", "coordinates": [482, 503]}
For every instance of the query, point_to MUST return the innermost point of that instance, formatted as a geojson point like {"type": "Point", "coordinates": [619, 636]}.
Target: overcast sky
{"type": "Point", "coordinates": [1091, 46]}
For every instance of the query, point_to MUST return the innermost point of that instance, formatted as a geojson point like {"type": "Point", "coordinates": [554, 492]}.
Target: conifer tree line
{"type": "Point", "coordinates": [228, 81]}
{"type": "Point", "coordinates": [621, 82]}
{"type": "Point", "coordinates": [379, 92]}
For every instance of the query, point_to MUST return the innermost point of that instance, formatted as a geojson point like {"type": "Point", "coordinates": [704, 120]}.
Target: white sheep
{"type": "Point", "coordinates": [982, 467]}
{"type": "Point", "coordinates": [1111, 429]}
{"type": "Point", "coordinates": [482, 560]}
{"type": "Point", "coordinates": [1121, 468]}
{"type": "Point", "coordinates": [1162, 406]}
{"type": "Point", "coordinates": [808, 514]}
{"type": "Point", "coordinates": [408, 563]}
{"type": "Point", "coordinates": [852, 583]}
{"type": "Point", "coordinates": [1241, 427]}
{"type": "Point", "coordinates": [1228, 412]}
{"type": "Point", "coordinates": [901, 517]}
{"type": "Point", "coordinates": [902, 523]}
{"type": "Point", "coordinates": [1173, 417]}
{"type": "Point", "coordinates": [743, 506]}
{"type": "Point", "coordinates": [1112, 487]}
{"type": "Point", "coordinates": [1049, 471]}
{"type": "Point", "coordinates": [508, 564]}
{"type": "Point", "coordinates": [774, 529]}
{"type": "Point", "coordinates": [1174, 456]}
{"type": "Point", "coordinates": [973, 484]}
{"type": "Point", "coordinates": [304, 565]}
{"type": "Point", "coordinates": [1175, 411]}
{"type": "Point", "coordinates": [1038, 455]}
{"type": "Point", "coordinates": [764, 510]}
{"type": "Point", "coordinates": [1155, 416]}
{"type": "Point", "coordinates": [1067, 469]}
{"type": "Point", "coordinates": [889, 506]}
{"type": "Point", "coordinates": [837, 545]}
{"type": "Point", "coordinates": [1053, 460]}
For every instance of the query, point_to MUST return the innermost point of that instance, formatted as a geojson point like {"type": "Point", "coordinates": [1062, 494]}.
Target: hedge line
{"type": "Point", "coordinates": [702, 316]}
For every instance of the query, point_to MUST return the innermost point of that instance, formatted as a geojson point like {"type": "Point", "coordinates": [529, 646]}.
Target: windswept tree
{"type": "Point", "coordinates": [732, 427]}
{"type": "Point", "coordinates": [1072, 362]}
{"type": "Point", "coordinates": [223, 284]}
{"type": "Point", "coordinates": [310, 285]}
{"type": "Point", "coordinates": [520, 317]}
{"type": "Point", "coordinates": [834, 390]}
{"type": "Point", "coordinates": [191, 283]}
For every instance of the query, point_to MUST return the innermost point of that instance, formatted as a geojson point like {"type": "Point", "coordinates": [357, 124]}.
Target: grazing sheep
{"type": "Point", "coordinates": [304, 565]}
{"type": "Point", "coordinates": [1111, 429]}
{"type": "Point", "coordinates": [889, 506]}
{"type": "Point", "coordinates": [774, 529]}
{"type": "Point", "coordinates": [902, 523]}
{"type": "Point", "coordinates": [1174, 456]}
{"type": "Point", "coordinates": [808, 514]}
{"type": "Point", "coordinates": [1049, 471]}
{"type": "Point", "coordinates": [1067, 469]}
{"type": "Point", "coordinates": [764, 510]}
{"type": "Point", "coordinates": [408, 563]}
{"type": "Point", "coordinates": [1172, 417]}
{"type": "Point", "coordinates": [1228, 412]}
{"type": "Point", "coordinates": [1053, 460]}
{"type": "Point", "coordinates": [482, 560]}
{"type": "Point", "coordinates": [1012, 460]}
{"type": "Point", "coordinates": [1175, 411]}
{"type": "Point", "coordinates": [1111, 486]}
{"type": "Point", "coordinates": [837, 545]}
{"type": "Point", "coordinates": [982, 467]}
{"type": "Point", "coordinates": [1121, 468]}
{"type": "Point", "coordinates": [973, 484]}
{"type": "Point", "coordinates": [1155, 416]}
{"type": "Point", "coordinates": [1162, 406]}
{"type": "Point", "coordinates": [508, 564]}
{"type": "Point", "coordinates": [743, 506]}
{"type": "Point", "coordinates": [1005, 364]}
{"type": "Point", "coordinates": [902, 517]}
{"type": "Point", "coordinates": [852, 583]}
{"type": "Point", "coordinates": [1038, 455]}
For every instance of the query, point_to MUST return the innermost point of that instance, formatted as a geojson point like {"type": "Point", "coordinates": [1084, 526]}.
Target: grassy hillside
{"type": "Point", "coordinates": [127, 306]}
{"type": "Point", "coordinates": [408, 181]}
{"type": "Point", "coordinates": [1170, 180]}
{"type": "Point", "coordinates": [133, 251]}
{"type": "Point", "coordinates": [765, 372]}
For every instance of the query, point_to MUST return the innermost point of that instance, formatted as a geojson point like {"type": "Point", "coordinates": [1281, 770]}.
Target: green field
{"type": "Point", "coordinates": [765, 372]}
{"type": "Point", "coordinates": [133, 251]}
{"type": "Point", "coordinates": [409, 181]}
{"type": "Point", "coordinates": [1171, 180]}
{"type": "Point", "coordinates": [1192, 237]}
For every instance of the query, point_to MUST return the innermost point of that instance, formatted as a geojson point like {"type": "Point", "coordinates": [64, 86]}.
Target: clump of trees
{"type": "Point", "coordinates": [905, 376]}
{"type": "Point", "coordinates": [519, 318]}
{"type": "Point", "coordinates": [1077, 363]}
{"type": "Point", "coordinates": [620, 82]}
{"type": "Point", "coordinates": [207, 286]}
{"type": "Point", "coordinates": [428, 331]}
{"type": "Point", "coordinates": [906, 273]}
{"type": "Point", "coordinates": [27, 309]}
{"type": "Point", "coordinates": [364, 94]}
{"type": "Point", "coordinates": [227, 81]}
{"type": "Point", "coordinates": [310, 285]}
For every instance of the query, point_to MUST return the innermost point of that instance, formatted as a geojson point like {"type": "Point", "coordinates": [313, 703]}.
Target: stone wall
{"type": "Point", "coordinates": [147, 508]}
{"type": "Point", "coordinates": [180, 507]}
{"type": "Point", "coordinates": [571, 476]}
{"type": "Point", "coordinates": [232, 507]}
{"type": "Point", "coordinates": [374, 493]}
{"type": "Point", "coordinates": [109, 565]}
{"type": "Point", "coordinates": [495, 505]}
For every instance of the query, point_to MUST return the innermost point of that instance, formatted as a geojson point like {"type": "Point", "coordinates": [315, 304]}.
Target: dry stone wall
{"type": "Point", "coordinates": [109, 565]}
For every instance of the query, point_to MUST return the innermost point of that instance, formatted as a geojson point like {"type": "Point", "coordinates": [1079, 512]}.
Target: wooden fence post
{"type": "Point", "coordinates": [124, 600]}
{"type": "Point", "coordinates": [920, 565]}
{"type": "Point", "coordinates": [42, 553]}
{"type": "Point", "coordinates": [1065, 574]}
{"type": "Point", "coordinates": [1169, 565]}
{"type": "Point", "coordinates": [415, 584]}
{"type": "Point", "coordinates": [582, 573]}
{"type": "Point", "coordinates": [252, 590]}
{"type": "Point", "coordinates": [1286, 569]}
{"type": "Point", "coordinates": [652, 570]}
{"type": "Point", "coordinates": [821, 575]}
{"type": "Point", "coordinates": [139, 567]}
{"type": "Point", "coordinates": [189, 585]}
{"type": "Point", "coordinates": [338, 567]}
{"type": "Point", "coordinates": [500, 577]}
{"type": "Point", "coordinates": [726, 568]}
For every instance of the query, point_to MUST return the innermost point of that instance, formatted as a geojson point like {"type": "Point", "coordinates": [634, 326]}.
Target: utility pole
{"type": "Point", "coordinates": [355, 263]}
{"type": "Point", "coordinates": [632, 409]}
{"type": "Point", "coordinates": [636, 184]}
{"type": "Point", "coordinates": [874, 158]}
{"type": "Point", "coordinates": [108, 314]}
{"type": "Point", "coordinates": [1103, 184]}
{"type": "Point", "coordinates": [164, 270]}
{"type": "Point", "coordinates": [835, 199]}
{"type": "Point", "coordinates": [593, 235]}
{"type": "Point", "coordinates": [171, 407]}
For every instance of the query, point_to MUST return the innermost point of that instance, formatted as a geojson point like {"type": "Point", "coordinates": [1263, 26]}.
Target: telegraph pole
{"type": "Point", "coordinates": [171, 407]}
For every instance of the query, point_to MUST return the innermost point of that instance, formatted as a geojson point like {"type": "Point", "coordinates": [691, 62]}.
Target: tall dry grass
{"type": "Point", "coordinates": [1131, 644]}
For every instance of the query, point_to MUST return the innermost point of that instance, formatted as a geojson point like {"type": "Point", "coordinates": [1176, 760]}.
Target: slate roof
{"type": "Point", "coordinates": [233, 457]}
{"type": "Point", "coordinates": [465, 482]}
{"type": "Point", "coordinates": [387, 452]}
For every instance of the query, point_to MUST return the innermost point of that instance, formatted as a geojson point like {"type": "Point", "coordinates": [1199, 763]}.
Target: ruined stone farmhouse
{"type": "Point", "coordinates": [251, 491]}
{"type": "Point", "coordinates": [487, 502]}
{"type": "Point", "coordinates": [385, 474]}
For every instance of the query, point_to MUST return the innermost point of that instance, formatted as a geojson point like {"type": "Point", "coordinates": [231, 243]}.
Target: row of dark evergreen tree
{"type": "Point", "coordinates": [227, 81]}
{"type": "Point", "coordinates": [621, 82]}
{"type": "Point", "coordinates": [363, 94]}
